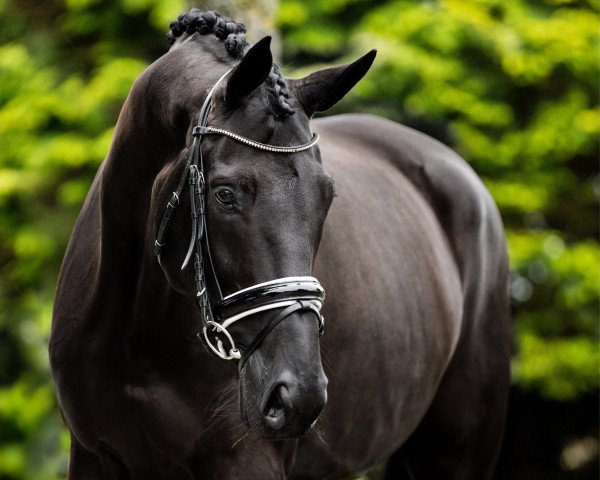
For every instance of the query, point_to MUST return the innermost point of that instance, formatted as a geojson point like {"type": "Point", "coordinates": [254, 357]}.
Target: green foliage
{"type": "Point", "coordinates": [513, 87]}
{"type": "Point", "coordinates": [510, 84]}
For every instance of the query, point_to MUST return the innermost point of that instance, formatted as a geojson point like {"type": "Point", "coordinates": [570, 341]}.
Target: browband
{"type": "Point", "coordinates": [260, 146]}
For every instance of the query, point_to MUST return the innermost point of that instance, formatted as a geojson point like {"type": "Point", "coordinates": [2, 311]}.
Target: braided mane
{"type": "Point", "coordinates": [204, 23]}
{"type": "Point", "coordinates": [233, 35]}
{"type": "Point", "coordinates": [278, 92]}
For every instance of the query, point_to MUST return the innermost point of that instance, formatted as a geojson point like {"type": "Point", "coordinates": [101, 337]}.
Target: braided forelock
{"type": "Point", "coordinates": [205, 23]}
{"type": "Point", "coordinates": [278, 92]}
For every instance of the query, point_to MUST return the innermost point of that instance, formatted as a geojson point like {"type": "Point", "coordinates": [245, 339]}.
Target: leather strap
{"type": "Point", "coordinates": [299, 305]}
{"type": "Point", "coordinates": [273, 292]}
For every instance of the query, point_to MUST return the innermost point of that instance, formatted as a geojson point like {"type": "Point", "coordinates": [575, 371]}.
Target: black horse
{"type": "Point", "coordinates": [411, 254]}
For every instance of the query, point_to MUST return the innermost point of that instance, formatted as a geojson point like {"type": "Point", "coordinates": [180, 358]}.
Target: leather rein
{"type": "Point", "coordinates": [293, 294]}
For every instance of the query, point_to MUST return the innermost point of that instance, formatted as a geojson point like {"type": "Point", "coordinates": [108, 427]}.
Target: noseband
{"type": "Point", "coordinates": [293, 294]}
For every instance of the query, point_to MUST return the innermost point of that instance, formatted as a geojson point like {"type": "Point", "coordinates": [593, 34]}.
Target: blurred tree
{"type": "Point", "coordinates": [512, 85]}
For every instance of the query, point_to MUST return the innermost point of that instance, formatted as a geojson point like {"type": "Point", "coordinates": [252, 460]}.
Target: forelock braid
{"type": "Point", "coordinates": [278, 92]}
{"type": "Point", "coordinates": [233, 34]}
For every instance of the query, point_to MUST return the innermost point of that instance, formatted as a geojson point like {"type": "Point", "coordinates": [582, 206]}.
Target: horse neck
{"type": "Point", "coordinates": [153, 128]}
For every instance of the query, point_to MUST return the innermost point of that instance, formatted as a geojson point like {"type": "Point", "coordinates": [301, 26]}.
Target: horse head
{"type": "Point", "coordinates": [259, 207]}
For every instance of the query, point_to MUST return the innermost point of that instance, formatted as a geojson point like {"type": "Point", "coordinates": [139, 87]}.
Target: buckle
{"type": "Point", "coordinates": [157, 247]}
{"type": "Point", "coordinates": [219, 349]}
{"type": "Point", "coordinates": [199, 131]}
{"type": "Point", "coordinates": [174, 201]}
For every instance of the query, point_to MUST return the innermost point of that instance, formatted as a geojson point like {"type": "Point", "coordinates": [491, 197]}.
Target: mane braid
{"type": "Point", "coordinates": [204, 23]}
{"type": "Point", "coordinates": [234, 35]}
{"type": "Point", "coordinates": [279, 94]}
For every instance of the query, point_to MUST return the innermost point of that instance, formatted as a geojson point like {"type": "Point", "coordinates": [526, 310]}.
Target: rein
{"type": "Point", "coordinates": [293, 294]}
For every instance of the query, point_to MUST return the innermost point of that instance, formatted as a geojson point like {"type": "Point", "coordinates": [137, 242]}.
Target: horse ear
{"type": "Point", "coordinates": [323, 89]}
{"type": "Point", "coordinates": [250, 73]}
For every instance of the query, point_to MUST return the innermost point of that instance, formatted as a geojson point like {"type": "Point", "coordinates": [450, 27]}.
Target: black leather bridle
{"type": "Point", "coordinates": [293, 294]}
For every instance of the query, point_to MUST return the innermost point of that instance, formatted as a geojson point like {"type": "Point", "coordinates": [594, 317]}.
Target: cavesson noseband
{"type": "Point", "coordinates": [293, 294]}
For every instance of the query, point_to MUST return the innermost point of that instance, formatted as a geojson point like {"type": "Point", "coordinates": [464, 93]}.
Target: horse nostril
{"type": "Point", "coordinates": [278, 407]}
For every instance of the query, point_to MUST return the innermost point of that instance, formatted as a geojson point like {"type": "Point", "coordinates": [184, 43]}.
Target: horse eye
{"type": "Point", "coordinates": [225, 197]}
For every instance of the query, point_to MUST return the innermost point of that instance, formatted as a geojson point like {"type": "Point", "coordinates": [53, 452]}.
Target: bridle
{"type": "Point", "coordinates": [293, 294]}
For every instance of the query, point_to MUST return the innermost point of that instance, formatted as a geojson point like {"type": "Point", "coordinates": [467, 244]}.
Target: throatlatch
{"type": "Point", "coordinates": [293, 294]}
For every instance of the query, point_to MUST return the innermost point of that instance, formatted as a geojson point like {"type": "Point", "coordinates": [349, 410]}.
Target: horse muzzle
{"type": "Point", "coordinates": [291, 407]}
{"type": "Point", "coordinates": [283, 387]}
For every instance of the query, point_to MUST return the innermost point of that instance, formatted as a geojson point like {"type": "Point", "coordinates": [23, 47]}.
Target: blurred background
{"type": "Point", "coordinates": [512, 85]}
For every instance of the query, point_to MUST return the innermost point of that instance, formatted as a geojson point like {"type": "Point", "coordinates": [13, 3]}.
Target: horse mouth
{"type": "Point", "coordinates": [285, 414]}
{"type": "Point", "coordinates": [277, 408]}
